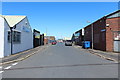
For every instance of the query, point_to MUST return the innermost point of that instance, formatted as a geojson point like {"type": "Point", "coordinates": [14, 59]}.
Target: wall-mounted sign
{"type": "Point", "coordinates": [103, 30]}
{"type": "Point", "coordinates": [26, 29]}
{"type": "Point", "coordinates": [37, 35]}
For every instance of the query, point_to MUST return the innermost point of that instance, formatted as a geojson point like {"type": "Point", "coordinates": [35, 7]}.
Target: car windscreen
{"type": "Point", "coordinates": [68, 41]}
{"type": "Point", "coordinates": [53, 41]}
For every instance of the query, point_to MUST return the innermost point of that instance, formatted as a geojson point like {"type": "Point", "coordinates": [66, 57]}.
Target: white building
{"type": "Point", "coordinates": [67, 38]}
{"type": "Point", "coordinates": [22, 35]}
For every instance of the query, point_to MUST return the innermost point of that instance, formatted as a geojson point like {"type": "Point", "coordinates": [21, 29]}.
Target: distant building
{"type": "Point", "coordinates": [67, 38]}
{"type": "Point", "coordinates": [79, 37]}
{"type": "Point", "coordinates": [36, 38]}
{"type": "Point", "coordinates": [42, 39]}
{"type": "Point", "coordinates": [73, 38]}
{"type": "Point", "coordinates": [22, 36]}
{"type": "Point", "coordinates": [49, 39]}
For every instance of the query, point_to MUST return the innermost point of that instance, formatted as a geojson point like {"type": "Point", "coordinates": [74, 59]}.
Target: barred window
{"type": "Point", "coordinates": [16, 37]}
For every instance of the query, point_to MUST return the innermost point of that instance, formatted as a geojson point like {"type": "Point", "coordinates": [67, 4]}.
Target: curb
{"type": "Point", "coordinates": [107, 58]}
{"type": "Point", "coordinates": [21, 59]}
{"type": "Point", "coordinates": [22, 52]}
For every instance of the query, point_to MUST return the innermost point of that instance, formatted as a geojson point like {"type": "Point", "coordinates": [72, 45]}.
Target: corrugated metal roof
{"type": "Point", "coordinates": [13, 20]}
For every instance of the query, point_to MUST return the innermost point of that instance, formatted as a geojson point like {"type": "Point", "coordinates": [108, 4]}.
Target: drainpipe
{"type": "Point", "coordinates": [92, 35]}
{"type": "Point", "coordinates": [11, 39]}
{"type": "Point", "coordinates": [11, 29]}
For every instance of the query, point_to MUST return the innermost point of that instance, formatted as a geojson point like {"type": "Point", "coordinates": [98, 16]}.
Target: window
{"type": "Point", "coordinates": [16, 37]}
{"type": "Point", "coordinates": [9, 40]}
{"type": "Point", "coordinates": [77, 35]}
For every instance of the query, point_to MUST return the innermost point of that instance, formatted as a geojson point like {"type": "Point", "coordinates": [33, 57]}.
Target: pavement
{"type": "Point", "coordinates": [21, 55]}
{"type": "Point", "coordinates": [103, 54]}
{"type": "Point", "coordinates": [60, 61]}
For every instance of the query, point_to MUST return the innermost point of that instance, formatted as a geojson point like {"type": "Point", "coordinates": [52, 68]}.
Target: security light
{"type": "Point", "coordinates": [107, 25]}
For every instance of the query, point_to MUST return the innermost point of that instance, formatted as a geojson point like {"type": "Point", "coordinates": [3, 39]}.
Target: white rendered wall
{"type": "Point", "coordinates": [1, 37]}
{"type": "Point", "coordinates": [26, 39]}
{"type": "Point", "coordinates": [7, 46]}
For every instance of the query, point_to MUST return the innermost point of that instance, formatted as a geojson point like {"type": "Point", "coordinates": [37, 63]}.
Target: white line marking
{"type": "Point", "coordinates": [0, 67]}
{"type": "Point", "coordinates": [1, 72]}
{"type": "Point", "coordinates": [14, 64]}
{"type": "Point", "coordinates": [8, 67]}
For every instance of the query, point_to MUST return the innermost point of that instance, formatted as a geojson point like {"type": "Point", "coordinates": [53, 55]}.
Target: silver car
{"type": "Point", "coordinates": [68, 43]}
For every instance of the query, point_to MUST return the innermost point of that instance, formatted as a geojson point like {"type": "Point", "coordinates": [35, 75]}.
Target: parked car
{"type": "Point", "coordinates": [68, 43]}
{"type": "Point", "coordinates": [53, 42]}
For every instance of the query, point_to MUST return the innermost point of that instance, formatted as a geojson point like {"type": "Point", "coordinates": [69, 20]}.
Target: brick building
{"type": "Point", "coordinates": [49, 39]}
{"type": "Point", "coordinates": [88, 34]}
{"type": "Point", "coordinates": [105, 33]}
{"type": "Point", "coordinates": [79, 37]}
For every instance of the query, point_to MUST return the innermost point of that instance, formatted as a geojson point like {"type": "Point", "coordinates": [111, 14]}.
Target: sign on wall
{"type": "Point", "coordinates": [26, 29]}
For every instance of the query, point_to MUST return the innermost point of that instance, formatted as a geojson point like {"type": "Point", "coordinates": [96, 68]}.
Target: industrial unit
{"type": "Point", "coordinates": [79, 37]}
{"type": "Point", "coordinates": [21, 38]}
{"type": "Point", "coordinates": [36, 38]}
{"type": "Point", "coordinates": [103, 34]}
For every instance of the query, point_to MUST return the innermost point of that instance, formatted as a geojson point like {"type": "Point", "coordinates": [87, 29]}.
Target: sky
{"type": "Point", "coordinates": [59, 19]}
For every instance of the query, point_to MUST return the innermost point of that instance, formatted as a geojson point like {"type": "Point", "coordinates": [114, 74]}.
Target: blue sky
{"type": "Point", "coordinates": [60, 19]}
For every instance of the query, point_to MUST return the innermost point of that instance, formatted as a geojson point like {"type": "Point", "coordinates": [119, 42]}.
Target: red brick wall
{"type": "Point", "coordinates": [113, 26]}
{"type": "Point", "coordinates": [88, 33]}
{"type": "Point", "coordinates": [99, 34]}
{"type": "Point", "coordinates": [81, 38]}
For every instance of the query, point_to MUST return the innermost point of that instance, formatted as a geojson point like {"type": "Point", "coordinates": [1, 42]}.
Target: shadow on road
{"type": "Point", "coordinates": [61, 66]}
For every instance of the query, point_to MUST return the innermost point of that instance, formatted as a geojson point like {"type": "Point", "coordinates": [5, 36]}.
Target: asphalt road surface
{"type": "Point", "coordinates": [59, 61]}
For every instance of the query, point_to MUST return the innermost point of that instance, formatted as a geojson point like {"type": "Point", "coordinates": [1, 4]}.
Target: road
{"type": "Point", "coordinates": [59, 61]}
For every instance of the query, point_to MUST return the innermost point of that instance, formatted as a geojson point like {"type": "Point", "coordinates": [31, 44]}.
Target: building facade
{"type": "Point", "coordinates": [113, 32]}
{"type": "Point", "coordinates": [104, 33]}
{"type": "Point", "coordinates": [36, 38]}
{"type": "Point", "coordinates": [79, 37]}
{"type": "Point", "coordinates": [22, 36]}
{"type": "Point", "coordinates": [49, 39]}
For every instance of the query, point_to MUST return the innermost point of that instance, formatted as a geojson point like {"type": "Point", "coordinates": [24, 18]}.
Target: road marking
{"type": "Point", "coordinates": [0, 67]}
{"type": "Point", "coordinates": [8, 67]}
{"type": "Point", "coordinates": [14, 64]}
{"type": "Point", "coordinates": [1, 72]}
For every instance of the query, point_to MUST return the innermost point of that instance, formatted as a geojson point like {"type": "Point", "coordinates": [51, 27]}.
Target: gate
{"type": "Point", "coordinates": [117, 41]}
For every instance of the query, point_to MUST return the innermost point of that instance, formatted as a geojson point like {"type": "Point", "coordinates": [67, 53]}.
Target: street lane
{"type": "Point", "coordinates": [59, 61]}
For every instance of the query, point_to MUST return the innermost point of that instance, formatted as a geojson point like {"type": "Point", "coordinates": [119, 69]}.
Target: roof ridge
{"type": "Point", "coordinates": [13, 20]}
{"type": "Point", "coordinates": [13, 15]}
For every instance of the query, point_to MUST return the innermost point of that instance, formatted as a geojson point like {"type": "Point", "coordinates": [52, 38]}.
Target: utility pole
{"type": "Point", "coordinates": [91, 32]}
{"type": "Point", "coordinates": [46, 31]}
